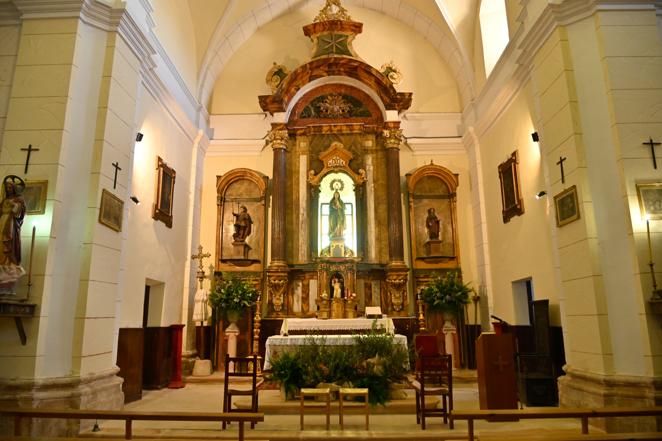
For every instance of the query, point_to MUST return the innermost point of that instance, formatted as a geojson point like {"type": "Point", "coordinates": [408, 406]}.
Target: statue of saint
{"type": "Point", "coordinates": [432, 224]}
{"type": "Point", "coordinates": [242, 225]}
{"type": "Point", "coordinates": [337, 288]}
{"type": "Point", "coordinates": [12, 213]}
{"type": "Point", "coordinates": [336, 217]}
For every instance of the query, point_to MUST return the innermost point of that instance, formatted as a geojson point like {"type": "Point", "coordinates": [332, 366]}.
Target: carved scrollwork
{"type": "Point", "coordinates": [392, 138]}
{"type": "Point", "coordinates": [278, 138]}
{"type": "Point", "coordinates": [277, 284]}
{"type": "Point", "coordinates": [397, 291]}
{"type": "Point", "coordinates": [336, 158]}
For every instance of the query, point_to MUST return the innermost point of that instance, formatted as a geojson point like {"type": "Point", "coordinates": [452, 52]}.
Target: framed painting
{"type": "Point", "coordinates": [511, 197]}
{"type": "Point", "coordinates": [650, 200]}
{"type": "Point", "coordinates": [111, 210]}
{"type": "Point", "coordinates": [567, 206]}
{"type": "Point", "coordinates": [165, 189]}
{"type": "Point", "coordinates": [35, 196]}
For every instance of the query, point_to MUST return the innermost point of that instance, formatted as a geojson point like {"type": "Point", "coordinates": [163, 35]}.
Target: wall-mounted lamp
{"type": "Point", "coordinates": [540, 194]}
{"type": "Point", "coordinates": [535, 137]}
{"type": "Point", "coordinates": [139, 137]}
{"type": "Point", "coordinates": [135, 200]}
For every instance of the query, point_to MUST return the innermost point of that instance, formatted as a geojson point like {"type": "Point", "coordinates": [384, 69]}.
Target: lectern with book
{"type": "Point", "coordinates": [495, 363]}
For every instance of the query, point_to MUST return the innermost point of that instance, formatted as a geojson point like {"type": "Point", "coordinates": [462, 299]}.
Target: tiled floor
{"type": "Point", "coordinates": [395, 421]}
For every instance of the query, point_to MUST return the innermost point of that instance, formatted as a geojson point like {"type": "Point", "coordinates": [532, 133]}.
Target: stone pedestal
{"type": "Point", "coordinates": [202, 368]}
{"type": "Point", "coordinates": [350, 309]}
{"type": "Point", "coordinates": [433, 247]}
{"type": "Point", "coordinates": [232, 332]}
{"type": "Point", "coordinates": [580, 388]}
{"type": "Point", "coordinates": [324, 309]}
{"type": "Point", "coordinates": [337, 308]}
{"type": "Point", "coordinates": [101, 390]}
{"type": "Point", "coordinates": [240, 250]}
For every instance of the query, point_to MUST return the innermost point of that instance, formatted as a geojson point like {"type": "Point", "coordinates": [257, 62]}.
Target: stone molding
{"type": "Point", "coordinates": [512, 71]}
{"type": "Point", "coordinates": [102, 390]}
{"type": "Point", "coordinates": [581, 388]}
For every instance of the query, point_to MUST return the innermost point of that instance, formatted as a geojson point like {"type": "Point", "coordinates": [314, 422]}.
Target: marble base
{"type": "Point", "coordinates": [240, 250]}
{"type": "Point", "coordinates": [202, 368]}
{"type": "Point", "coordinates": [580, 388]}
{"type": "Point", "coordinates": [433, 247]}
{"type": "Point", "coordinates": [96, 391]}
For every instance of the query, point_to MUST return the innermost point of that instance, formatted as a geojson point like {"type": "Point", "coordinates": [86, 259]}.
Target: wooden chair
{"type": "Point", "coordinates": [434, 377]}
{"type": "Point", "coordinates": [237, 371]}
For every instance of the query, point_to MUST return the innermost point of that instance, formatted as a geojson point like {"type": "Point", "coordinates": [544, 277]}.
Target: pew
{"type": "Point", "coordinates": [128, 417]}
{"type": "Point", "coordinates": [564, 412]}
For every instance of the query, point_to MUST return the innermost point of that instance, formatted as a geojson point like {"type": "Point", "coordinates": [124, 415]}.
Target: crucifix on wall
{"type": "Point", "coordinates": [117, 168]}
{"type": "Point", "coordinates": [27, 159]}
{"type": "Point", "coordinates": [560, 164]}
{"type": "Point", "coordinates": [652, 145]}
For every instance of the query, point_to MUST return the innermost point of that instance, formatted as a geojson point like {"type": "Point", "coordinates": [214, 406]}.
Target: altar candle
{"type": "Point", "coordinates": [648, 233]}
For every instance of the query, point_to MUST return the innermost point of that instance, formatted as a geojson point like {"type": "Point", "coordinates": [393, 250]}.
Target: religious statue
{"type": "Point", "coordinates": [12, 213]}
{"type": "Point", "coordinates": [337, 288]}
{"type": "Point", "coordinates": [432, 224]}
{"type": "Point", "coordinates": [242, 225]}
{"type": "Point", "coordinates": [336, 216]}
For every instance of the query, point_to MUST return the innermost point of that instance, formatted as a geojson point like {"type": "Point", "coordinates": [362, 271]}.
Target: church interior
{"type": "Point", "coordinates": [190, 180]}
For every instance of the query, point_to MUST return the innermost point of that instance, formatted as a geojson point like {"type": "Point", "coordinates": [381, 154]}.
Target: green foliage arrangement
{"type": "Point", "coordinates": [374, 361]}
{"type": "Point", "coordinates": [232, 295]}
{"type": "Point", "coordinates": [447, 293]}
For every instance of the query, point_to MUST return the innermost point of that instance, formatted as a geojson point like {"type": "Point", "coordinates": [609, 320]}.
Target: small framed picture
{"type": "Point", "coordinates": [35, 196]}
{"type": "Point", "coordinates": [511, 197]}
{"type": "Point", "coordinates": [650, 200]}
{"type": "Point", "coordinates": [165, 189]}
{"type": "Point", "coordinates": [111, 210]}
{"type": "Point", "coordinates": [567, 206]}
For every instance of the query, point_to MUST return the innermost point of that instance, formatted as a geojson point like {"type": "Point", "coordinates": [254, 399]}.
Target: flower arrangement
{"type": "Point", "coordinates": [351, 296]}
{"type": "Point", "coordinates": [232, 295]}
{"type": "Point", "coordinates": [447, 293]}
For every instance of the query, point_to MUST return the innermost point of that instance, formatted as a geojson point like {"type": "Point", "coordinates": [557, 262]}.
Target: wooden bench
{"type": "Point", "coordinates": [563, 412]}
{"type": "Point", "coordinates": [129, 417]}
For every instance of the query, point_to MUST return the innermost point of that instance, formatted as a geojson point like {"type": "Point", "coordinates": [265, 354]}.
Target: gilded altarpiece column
{"type": "Point", "coordinates": [277, 273]}
{"type": "Point", "coordinates": [396, 271]}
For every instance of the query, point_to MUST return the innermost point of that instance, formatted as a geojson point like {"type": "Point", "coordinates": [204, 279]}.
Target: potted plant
{"type": "Point", "coordinates": [231, 296]}
{"type": "Point", "coordinates": [447, 294]}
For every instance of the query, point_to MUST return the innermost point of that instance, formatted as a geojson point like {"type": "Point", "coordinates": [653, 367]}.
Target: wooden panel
{"type": "Point", "coordinates": [157, 360]}
{"type": "Point", "coordinates": [203, 337]}
{"type": "Point", "coordinates": [495, 362]}
{"type": "Point", "coordinates": [130, 361]}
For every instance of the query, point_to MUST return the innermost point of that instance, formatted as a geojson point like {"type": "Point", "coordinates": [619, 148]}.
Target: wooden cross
{"type": "Point", "coordinates": [500, 363]}
{"type": "Point", "coordinates": [27, 159]}
{"type": "Point", "coordinates": [560, 163]}
{"type": "Point", "coordinates": [117, 168]}
{"type": "Point", "coordinates": [652, 145]}
{"type": "Point", "coordinates": [199, 258]}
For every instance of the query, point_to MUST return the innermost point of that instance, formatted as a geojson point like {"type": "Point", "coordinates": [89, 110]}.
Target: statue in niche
{"type": "Point", "coordinates": [336, 285]}
{"type": "Point", "coordinates": [336, 211]}
{"type": "Point", "coordinates": [12, 213]}
{"type": "Point", "coordinates": [242, 225]}
{"type": "Point", "coordinates": [432, 224]}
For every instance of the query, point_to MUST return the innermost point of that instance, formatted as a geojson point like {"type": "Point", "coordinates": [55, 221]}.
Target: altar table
{"type": "Point", "coordinates": [298, 326]}
{"type": "Point", "coordinates": [278, 343]}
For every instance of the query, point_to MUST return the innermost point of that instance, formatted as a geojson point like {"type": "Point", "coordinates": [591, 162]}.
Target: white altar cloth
{"type": "Point", "coordinates": [336, 326]}
{"type": "Point", "coordinates": [278, 343]}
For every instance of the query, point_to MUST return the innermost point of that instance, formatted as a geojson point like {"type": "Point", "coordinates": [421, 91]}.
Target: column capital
{"type": "Point", "coordinates": [278, 137]}
{"type": "Point", "coordinates": [392, 137]}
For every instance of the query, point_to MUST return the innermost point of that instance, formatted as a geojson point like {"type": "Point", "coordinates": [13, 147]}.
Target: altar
{"type": "Point", "coordinates": [279, 343]}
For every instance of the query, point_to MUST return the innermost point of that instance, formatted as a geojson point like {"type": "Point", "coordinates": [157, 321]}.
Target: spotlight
{"type": "Point", "coordinates": [540, 194]}
{"type": "Point", "coordinates": [135, 200]}
{"type": "Point", "coordinates": [139, 137]}
{"type": "Point", "coordinates": [535, 137]}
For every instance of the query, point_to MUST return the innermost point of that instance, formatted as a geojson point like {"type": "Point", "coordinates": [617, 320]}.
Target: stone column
{"type": "Point", "coordinates": [277, 271]}
{"type": "Point", "coordinates": [396, 277]}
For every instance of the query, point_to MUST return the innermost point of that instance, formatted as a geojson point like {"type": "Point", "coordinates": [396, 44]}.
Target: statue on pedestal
{"type": "Point", "coordinates": [12, 213]}
{"type": "Point", "coordinates": [242, 225]}
{"type": "Point", "coordinates": [432, 224]}
{"type": "Point", "coordinates": [336, 216]}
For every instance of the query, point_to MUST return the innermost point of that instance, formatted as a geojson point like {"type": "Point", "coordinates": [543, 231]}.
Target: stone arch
{"type": "Point", "coordinates": [223, 45]}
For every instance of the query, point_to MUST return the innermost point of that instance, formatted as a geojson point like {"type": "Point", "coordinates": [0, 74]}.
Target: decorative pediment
{"type": "Point", "coordinates": [336, 158]}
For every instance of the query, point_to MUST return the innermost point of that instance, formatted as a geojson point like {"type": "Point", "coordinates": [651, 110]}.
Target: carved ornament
{"type": "Point", "coordinates": [392, 138]}
{"type": "Point", "coordinates": [332, 10]}
{"type": "Point", "coordinates": [276, 75]}
{"type": "Point", "coordinates": [278, 138]}
{"type": "Point", "coordinates": [391, 71]}
{"type": "Point", "coordinates": [277, 284]}
{"type": "Point", "coordinates": [336, 158]}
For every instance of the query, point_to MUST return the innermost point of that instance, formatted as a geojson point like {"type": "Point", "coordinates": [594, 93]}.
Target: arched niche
{"type": "Point", "coordinates": [239, 188]}
{"type": "Point", "coordinates": [432, 209]}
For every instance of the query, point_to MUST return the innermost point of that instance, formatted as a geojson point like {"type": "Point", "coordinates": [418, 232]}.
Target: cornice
{"type": "Point", "coordinates": [9, 15]}
{"type": "Point", "coordinates": [235, 147]}
{"type": "Point", "coordinates": [512, 71]}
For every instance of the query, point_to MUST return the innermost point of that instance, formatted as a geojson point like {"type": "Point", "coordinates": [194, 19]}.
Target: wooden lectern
{"type": "Point", "coordinates": [495, 362]}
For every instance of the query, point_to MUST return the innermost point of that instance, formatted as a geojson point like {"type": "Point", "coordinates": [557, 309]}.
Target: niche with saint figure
{"type": "Point", "coordinates": [337, 216]}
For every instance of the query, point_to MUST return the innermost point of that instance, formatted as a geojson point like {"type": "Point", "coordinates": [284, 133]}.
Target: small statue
{"type": "Point", "coordinates": [242, 225]}
{"type": "Point", "coordinates": [432, 224]}
{"type": "Point", "coordinates": [337, 287]}
{"type": "Point", "coordinates": [12, 213]}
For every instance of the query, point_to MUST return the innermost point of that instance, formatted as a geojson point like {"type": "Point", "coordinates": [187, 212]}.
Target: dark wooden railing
{"type": "Point", "coordinates": [558, 412]}
{"type": "Point", "coordinates": [130, 417]}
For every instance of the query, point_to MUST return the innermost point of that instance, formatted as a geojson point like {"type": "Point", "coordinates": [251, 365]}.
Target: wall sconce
{"type": "Point", "coordinates": [135, 200]}
{"type": "Point", "coordinates": [535, 137]}
{"type": "Point", "coordinates": [540, 194]}
{"type": "Point", "coordinates": [139, 137]}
